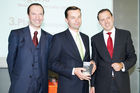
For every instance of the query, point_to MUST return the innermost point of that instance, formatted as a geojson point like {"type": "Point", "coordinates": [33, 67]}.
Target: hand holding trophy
{"type": "Point", "coordinates": [90, 67]}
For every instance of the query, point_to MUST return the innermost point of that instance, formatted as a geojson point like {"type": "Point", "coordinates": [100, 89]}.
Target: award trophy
{"type": "Point", "coordinates": [88, 68]}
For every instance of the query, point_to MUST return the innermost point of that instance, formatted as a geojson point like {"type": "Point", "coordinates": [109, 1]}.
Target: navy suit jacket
{"type": "Point", "coordinates": [20, 59]}
{"type": "Point", "coordinates": [64, 56]}
{"type": "Point", "coordinates": [123, 52]}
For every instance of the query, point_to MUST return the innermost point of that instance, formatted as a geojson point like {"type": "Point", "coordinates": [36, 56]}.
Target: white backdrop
{"type": "Point", "coordinates": [14, 15]}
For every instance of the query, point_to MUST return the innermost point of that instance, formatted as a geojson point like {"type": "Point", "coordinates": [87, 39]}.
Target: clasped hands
{"type": "Point", "coordinates": [117, 66]}
{"type": "Point", "coordinates": [78, 72]}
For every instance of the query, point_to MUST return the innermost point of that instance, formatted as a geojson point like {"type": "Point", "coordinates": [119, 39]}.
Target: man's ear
{"type": "Point", "coordinates": [66, 20]}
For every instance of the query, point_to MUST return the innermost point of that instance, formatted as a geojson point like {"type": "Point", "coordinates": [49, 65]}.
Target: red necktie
{"type": "Point", "coordinates": [35, 39]}
{"type": "Point", "coordinates": [110, 45]}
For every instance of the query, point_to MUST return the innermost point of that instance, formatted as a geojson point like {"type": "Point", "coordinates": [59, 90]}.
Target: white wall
{"type": "Point", "coordinates": [13, 15]}
{"type": "Point", "coordinates": [128, 18]}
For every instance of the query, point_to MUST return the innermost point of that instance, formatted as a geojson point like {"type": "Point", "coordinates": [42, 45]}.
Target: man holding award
{"type": "Point", "coordinates": [68, 52]}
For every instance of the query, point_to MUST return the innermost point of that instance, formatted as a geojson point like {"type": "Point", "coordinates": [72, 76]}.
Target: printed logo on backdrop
{"type": "Point", "coordinates": [52, 12]}
{"type": "Point", "coordinates": [20, 21]}
{"type": "Point", "coordinates": [14, 16]}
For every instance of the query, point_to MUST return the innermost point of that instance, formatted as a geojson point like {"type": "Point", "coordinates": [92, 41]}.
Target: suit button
{"type": "Point", "coordinates": [30, 76]}
{"type": "Point", "coordinates": [32, 65]}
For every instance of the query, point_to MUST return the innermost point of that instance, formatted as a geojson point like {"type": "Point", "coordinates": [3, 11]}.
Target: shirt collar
{"type": "Point", "coordinates": [73, 32]}
{"type": "Point", "coordinates": [32, 30]}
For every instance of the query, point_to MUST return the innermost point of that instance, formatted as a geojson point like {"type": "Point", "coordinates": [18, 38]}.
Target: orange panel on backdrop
{"type": "Point", "coordinates": [52, 87]}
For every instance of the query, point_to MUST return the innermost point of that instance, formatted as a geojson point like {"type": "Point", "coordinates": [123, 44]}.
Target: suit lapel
{"type": "Point", "coordinates": [43, 47]}
{"type": "Point", "coordinates": [115, 49]}
{"type": "Point", "coordinates": [72, 45]}
{"type": "Point", "coordinates": [85, 44]}
{"type": "Point", "coordinates": [28, 39]}
{"type": "Point", "coordinates": [43, 40]}
{"type": "Point", "coordinates": [103, 48]}
{"type": "Point", "coordinates": [116, 43]}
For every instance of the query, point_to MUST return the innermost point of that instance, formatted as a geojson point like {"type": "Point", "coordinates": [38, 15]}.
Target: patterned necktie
{"type": "Point", "coordinates": [35, 39]}
{"type": "Point", "coordinates": [110, 45]}
{"type": "Point", "coordinates": [79, 45]}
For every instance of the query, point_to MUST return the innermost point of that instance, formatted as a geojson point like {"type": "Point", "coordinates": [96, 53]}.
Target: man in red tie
{"type": "Point", "coordinates": [114, 54]}
{"type": "Point", "coordinates": [28, 53]}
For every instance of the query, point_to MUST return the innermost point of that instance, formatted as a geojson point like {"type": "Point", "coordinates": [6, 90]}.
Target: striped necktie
{"type": "Point", "coordinates": [35, 39]}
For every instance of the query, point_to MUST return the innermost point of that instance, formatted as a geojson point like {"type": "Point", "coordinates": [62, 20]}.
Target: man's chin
{"type": "Point", "coordinates": [77, 28]}
{"type": "Point", "coordinates": [37, 25]}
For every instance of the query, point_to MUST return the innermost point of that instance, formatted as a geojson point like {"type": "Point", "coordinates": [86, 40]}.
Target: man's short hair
{"type": "Point", "coordinates": [71, 8]}
{"type": "Point", "coordinates": [103, 11]}
{"type": "Point", "coordinates": [28, 9]}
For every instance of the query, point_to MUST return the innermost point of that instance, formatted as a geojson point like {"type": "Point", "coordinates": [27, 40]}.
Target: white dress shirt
{"type": "Point", "coordinates": [112, 35]}
{"type": "Point", "coordinates": [74, 37]}
{"type": "Point", "coordinates": [32, 30]}
{"type": "Point", "coordinates": [113, 40]}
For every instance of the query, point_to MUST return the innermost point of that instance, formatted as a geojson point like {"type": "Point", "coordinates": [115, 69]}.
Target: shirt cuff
{"type": "Point", "coordinates": [73, 71]}
{"type": "Point", "coordinates": [123, 69]}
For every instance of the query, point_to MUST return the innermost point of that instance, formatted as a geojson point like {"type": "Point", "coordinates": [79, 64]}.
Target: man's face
{"type": "Point", "coordinates": [36, 16]}
{"type": "Point", "coordinates": [106, 20]}
{"type": "Point", "coordinates": [74, 19]}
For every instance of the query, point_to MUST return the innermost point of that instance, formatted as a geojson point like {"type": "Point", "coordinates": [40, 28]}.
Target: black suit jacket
{"type": "Point", "coordinates": [123, 52]}
{"type": "Point", "coordinates": [64, 56]}
{"type": "Point", "coordinates": [20, 59]}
